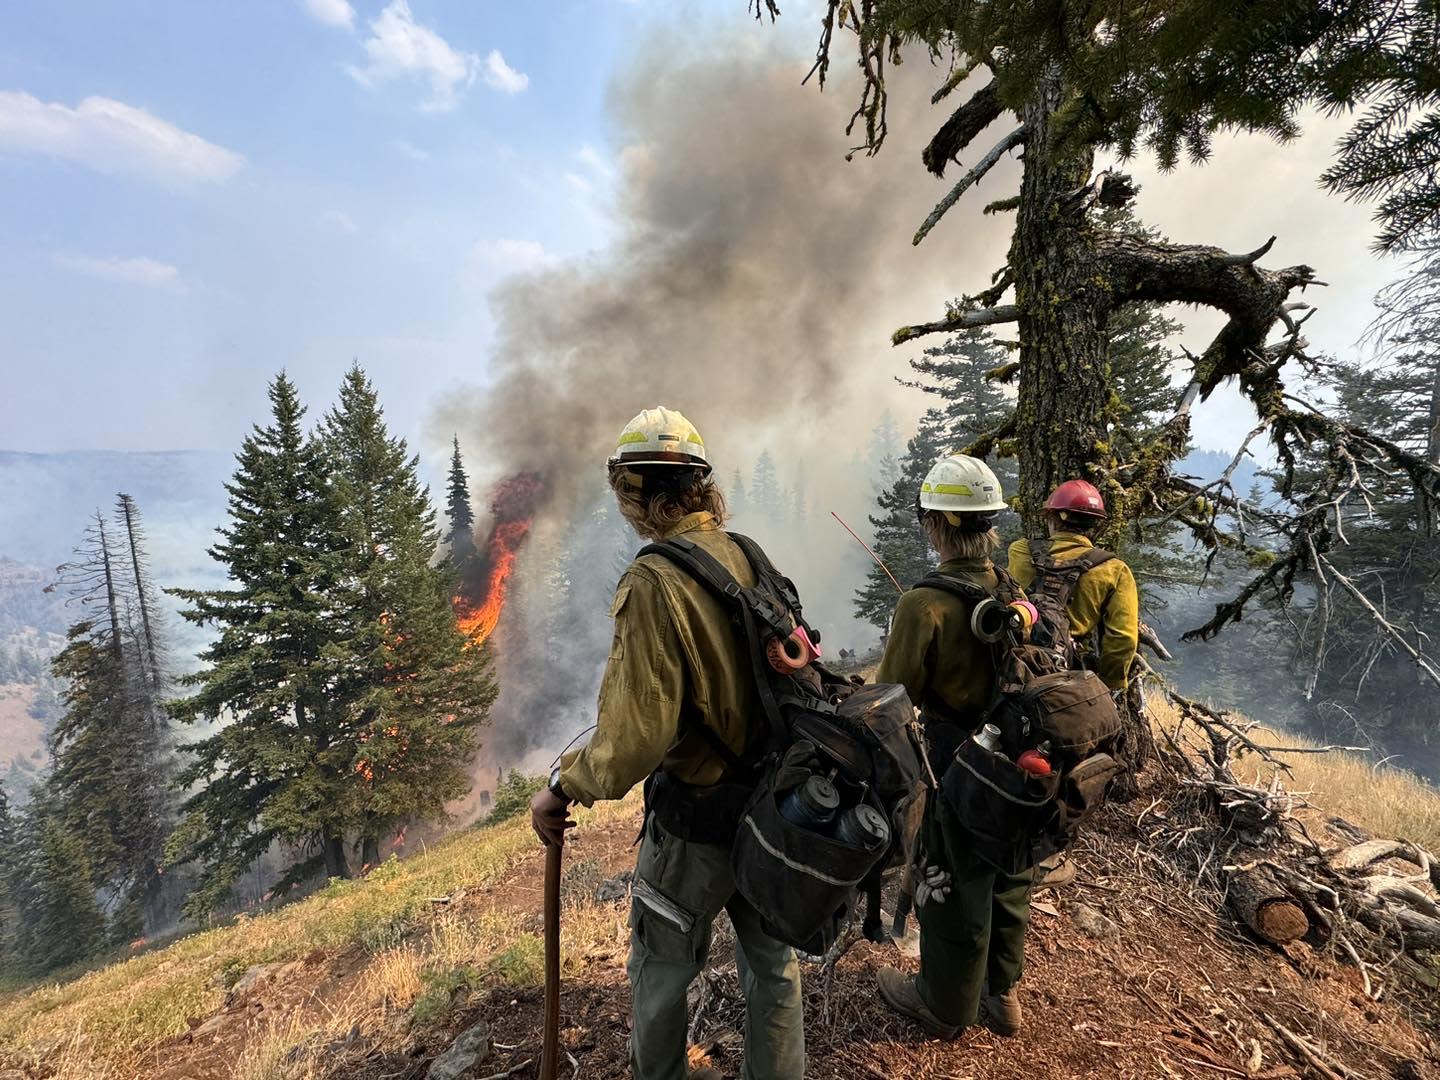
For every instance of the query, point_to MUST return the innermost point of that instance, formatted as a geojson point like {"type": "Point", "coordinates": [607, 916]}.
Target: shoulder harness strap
{"type": "Point", "coordinates": [747, 610]}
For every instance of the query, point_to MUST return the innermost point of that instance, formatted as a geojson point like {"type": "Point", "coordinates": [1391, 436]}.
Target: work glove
{"type": "Point", "coordinates": [932, 886]}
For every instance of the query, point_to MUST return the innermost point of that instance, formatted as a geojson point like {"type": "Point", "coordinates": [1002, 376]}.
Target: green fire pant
{"type": "Point", "coordinates": [679, 888]}
{"type": "Point", "coordinates": [977, 936]}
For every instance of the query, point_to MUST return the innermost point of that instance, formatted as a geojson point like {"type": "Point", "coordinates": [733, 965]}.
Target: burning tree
{"type": "Point", "coordinates": [1069, 80]}
{"type": "Point", "coordinates": [486, 579]}
{"type": "Point", "coordinates": [347, 694]}
{"type": "Point", "coordinates": [417, 689]}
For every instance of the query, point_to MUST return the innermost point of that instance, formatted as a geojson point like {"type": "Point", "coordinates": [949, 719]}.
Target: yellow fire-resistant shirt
{"type": "Point", "coordinates": [1105, 600]}
{"type": "Point", "coordinates": [675, 662]}
{"type": "Point", "coordinates": [947, 671]}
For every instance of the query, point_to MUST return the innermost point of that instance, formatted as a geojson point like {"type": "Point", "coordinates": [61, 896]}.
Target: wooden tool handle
{"type": "Point", "coordinates": [550, 1048]}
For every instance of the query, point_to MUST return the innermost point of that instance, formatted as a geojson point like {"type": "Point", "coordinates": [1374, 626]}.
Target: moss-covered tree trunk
{"type": "Point", "coordinates": [1060, 290]}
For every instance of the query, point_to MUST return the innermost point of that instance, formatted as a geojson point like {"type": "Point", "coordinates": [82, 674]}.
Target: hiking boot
{"type": "Point", "coordinates": [1055, 871]}
{"type": "Point", "coordinates": [898, 991]}
{"type": "Point", "coordinates": [1003, 1012]}
{"type": "Point", "coordinates": [706, 1074]}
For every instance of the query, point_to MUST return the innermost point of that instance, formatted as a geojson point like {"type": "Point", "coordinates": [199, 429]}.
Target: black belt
{"type": "Point", "coordinates": [701, 815]}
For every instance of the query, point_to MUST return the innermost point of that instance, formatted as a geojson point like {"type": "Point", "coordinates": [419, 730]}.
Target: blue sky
{"type": "Point", "coordinates": [194, 195]}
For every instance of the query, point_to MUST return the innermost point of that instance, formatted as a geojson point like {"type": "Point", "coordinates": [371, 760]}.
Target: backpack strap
{"type": "Point", "coordinates": [1066, 573]}
{"type": "Point", "coordinates": [963, 589]}
{"type": "Point", "coordinates": [747, 610]}
{"type": "Point", "coordinates": [1005, 590]}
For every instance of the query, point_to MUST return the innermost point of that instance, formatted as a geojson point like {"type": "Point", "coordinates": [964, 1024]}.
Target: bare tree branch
{"type": "Point", "coordinates": [981, 167]}
{"type": "Point", "coordinates": [961, 319]}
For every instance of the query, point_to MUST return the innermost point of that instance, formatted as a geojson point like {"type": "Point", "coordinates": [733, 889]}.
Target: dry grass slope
{"type": "Point", "coordinates": [378, 954]}
{"type": "Point", "coordinates": [104, 1024]}
{"type": "Point", "coordinates": [1386, 801]}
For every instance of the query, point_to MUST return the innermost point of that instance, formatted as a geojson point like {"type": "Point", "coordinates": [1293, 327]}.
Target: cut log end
{"type": "Point", "coordinates": [1266, 907]}
{"type": "Point", "coordinates": [1281, 921]}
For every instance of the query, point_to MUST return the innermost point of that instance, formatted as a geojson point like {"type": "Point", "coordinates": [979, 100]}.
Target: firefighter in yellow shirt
{"type": "Point", "coordinates": [1102, 602]}
{"type": "Point", "coordinates": [678, 708]}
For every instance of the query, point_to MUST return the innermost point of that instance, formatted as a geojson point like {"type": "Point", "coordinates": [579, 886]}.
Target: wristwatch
{"type": "Point", "coordinates": [555, 788]}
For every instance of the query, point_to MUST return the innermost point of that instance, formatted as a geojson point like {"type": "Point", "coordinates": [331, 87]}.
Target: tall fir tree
{"type": "Point", "coordinates": [883, 452]}
{"type": "Point", "coordinates": [899, 542]}
{"type": "Point", "coordinates": [1065, 82]}
{"type": "Point", "coordinates": [280, 766]}
{"type": "Point", "coordinates": [460, 516]}
{"type": "Point", "coordinates": [736, 498]}
{"type": "Point", "coordinates": [9, 915]}
{"type": "Point", "coordinates": [416, 688]}
{"type": "Point", "coordinates": [1352, 676]}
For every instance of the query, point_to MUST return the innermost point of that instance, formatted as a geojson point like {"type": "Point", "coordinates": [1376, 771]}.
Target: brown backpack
{"type": "Point", "coordinates": [1055, 582]}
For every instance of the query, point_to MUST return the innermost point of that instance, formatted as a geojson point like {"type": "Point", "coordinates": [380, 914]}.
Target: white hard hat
{"type": "Point", "coordinates": [957, 484]}
{"type": "Point", "coordinates": [660, 436]}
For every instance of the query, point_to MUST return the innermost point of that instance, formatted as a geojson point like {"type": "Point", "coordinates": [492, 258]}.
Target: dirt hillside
{"type": "Point", "coordinates": [1133, 972]}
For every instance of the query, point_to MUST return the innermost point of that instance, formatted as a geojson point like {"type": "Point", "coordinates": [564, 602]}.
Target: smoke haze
{"type": "Point", "coordinates": [754, 283]}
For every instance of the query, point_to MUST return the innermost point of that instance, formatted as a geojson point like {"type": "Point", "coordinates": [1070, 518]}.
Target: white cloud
{"type": "Point", "coordinates": [502, 76]}
{"type": "Point", "coordinates": [399, 47]}
{"type": "Point", "coordinates": [340, 220]}
{"type": "Point", "coordinates": [148, 272]}
{"type": "Point", "coordinates": [579, 183]}
{"type": "Point", "coordinates": [110, 137]}
{"type": "Point", "coordinates": [596, 162]}
{"type": "Point", "coordinates": [511, 256]}
{"type": "Point", "coordinates": [407, 149]}
{"type": "Point", "coordinates": [336, 13]}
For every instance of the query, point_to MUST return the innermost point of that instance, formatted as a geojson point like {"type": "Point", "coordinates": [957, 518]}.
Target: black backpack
{"type": "Point", "coordinates": [1055, 581]}
{"type": "Point", "coordinates": [864, 739]}
{"type": "Point", "coordinates": [1015, 817]}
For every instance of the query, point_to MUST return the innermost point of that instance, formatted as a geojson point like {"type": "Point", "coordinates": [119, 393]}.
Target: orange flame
{"type": "Point", "coordinates": [487, 574]}
{"type": "Point", "coordinates": [479, 622]}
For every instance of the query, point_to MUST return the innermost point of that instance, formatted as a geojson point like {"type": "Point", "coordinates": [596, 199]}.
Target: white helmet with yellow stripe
{"type": "Point", "coordinates": [660, 436]}
{"type": "Point", "coordinates": [957, 484]}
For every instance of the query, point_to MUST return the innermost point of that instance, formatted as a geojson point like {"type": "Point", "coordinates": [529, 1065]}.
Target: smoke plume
{"type": "Point", "coordinates": [754, 283]}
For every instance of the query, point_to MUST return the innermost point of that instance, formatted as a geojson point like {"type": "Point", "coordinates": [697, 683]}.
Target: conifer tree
{"type": "Point", "coordinates": [883, 452]}
{"type": "Point", "coordinates": [416, 689]}
{"type": "Point", "coordinates": [899, 541]}
{"type": "Point", "coordinates": [765, 499]}
{"type": "Point", "coordinates": [736, 498]}
{"type": "Point", "coordinates": [109, 779]}
{"type": "Point", "coordinates": [1069, 81]}
{"type": "Point", "coordinates": [458, 511]}
{"type": "Point", "coordinates": [965, 373]}
{"type": "Point", "coordinates": [280, 767]}
{"type": "Point", "coordinates": [1354, 678]}
{"type": "Point", "coordinates": [8, 913]}
{"type": "Point", "coordinates": [58, 920]}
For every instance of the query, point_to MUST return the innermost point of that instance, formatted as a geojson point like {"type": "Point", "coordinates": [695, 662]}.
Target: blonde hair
{"type": "Point", "coordinates": [655, 514]}
{"type": "Point", "coordinates": [953, 542]}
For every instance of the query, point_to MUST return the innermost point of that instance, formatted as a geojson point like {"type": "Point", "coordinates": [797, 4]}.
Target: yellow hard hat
{"type": "Point", "coordinates": [660, 436]}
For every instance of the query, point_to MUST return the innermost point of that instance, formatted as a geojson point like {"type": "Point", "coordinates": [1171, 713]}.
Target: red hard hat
{"type": "Point", "coordinates": [1077, 497]}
